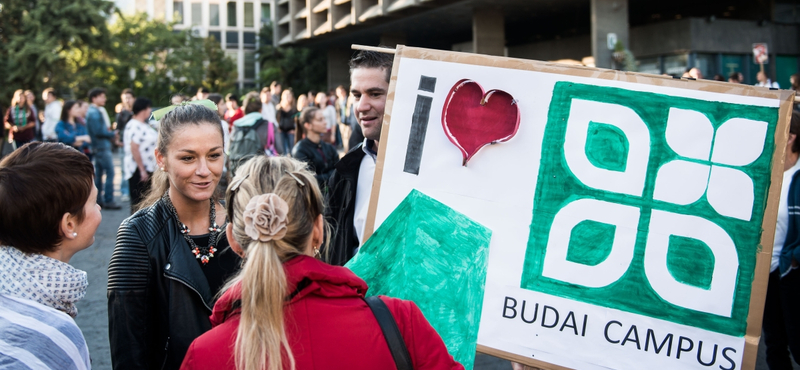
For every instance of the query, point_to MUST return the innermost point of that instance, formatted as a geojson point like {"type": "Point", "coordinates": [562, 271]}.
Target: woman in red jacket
{"type": "Point", "coordinates": [287, 309]}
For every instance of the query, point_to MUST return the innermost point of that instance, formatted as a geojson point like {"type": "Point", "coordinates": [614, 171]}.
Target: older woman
{"type": "Point", "coordinates": [44, 221]}
{"type": "Point", "coordinates": [289, 310]}
{"type": "Point", "coordinates": [171, 256]}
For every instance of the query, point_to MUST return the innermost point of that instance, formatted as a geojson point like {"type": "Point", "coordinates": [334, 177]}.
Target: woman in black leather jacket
{"type": "Point", "coordinates": [171, 256]}
{"type": "Point", "coordinates": [320, 156]}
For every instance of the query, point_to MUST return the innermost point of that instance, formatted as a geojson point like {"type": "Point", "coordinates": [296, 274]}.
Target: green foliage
{"type": "Point", "coordinates": [302, 69]}
{"type": "Point", "coordinates": [71, 46]}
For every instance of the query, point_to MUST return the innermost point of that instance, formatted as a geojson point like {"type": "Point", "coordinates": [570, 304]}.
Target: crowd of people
{"type": "Point", "coordinates": [243, 213]}
{"type": "Point", "coordinates": [198, 280]}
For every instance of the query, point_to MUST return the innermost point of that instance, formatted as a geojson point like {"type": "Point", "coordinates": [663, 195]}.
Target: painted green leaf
{"type": "Point", "coordinates": [428, 253]}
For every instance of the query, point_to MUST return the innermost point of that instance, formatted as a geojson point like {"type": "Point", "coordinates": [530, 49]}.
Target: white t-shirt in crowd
{"type": "Point", "coordinates": [146, 137]}
{"type": "Point", "coordinates": [782, 225]}
{"type": "Point", "coordinates": [52, 114]}
{"type": "Point", "coordinates": [268, 112]}
{"type": "Point", "coordinates": [366, 173]}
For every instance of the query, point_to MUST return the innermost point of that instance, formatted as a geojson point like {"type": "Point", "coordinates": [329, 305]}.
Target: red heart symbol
{"type": "Point", "coordinates": [473, 119]}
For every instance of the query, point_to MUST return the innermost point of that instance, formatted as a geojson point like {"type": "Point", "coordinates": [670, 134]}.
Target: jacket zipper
{"type": "Point", "coordinates": [166, 353]}
{"type": "Point", "coordinates": [190, 287]}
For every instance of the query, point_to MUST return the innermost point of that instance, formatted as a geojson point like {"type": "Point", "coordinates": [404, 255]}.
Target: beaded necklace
{"type": "Point", "coordinates": [201, 253]}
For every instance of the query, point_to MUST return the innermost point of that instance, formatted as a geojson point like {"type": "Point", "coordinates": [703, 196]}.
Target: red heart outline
{"type": "Point", "coordinates": [472, 118]}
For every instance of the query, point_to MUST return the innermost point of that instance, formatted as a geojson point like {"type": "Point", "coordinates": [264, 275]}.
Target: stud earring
{"type": "Point", "coordinates": [74, 234]}
{"type": "Point", "coordinates": [162, 169]}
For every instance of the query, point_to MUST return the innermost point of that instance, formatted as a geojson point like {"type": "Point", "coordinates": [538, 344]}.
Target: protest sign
{"type": "Point", "coordinates": [571, 217]}
{"type": "Point", "coordinates": [760, 53]}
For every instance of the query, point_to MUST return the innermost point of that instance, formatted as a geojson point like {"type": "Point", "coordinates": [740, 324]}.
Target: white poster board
{"type": "Point", "coordinates": [619, 210]}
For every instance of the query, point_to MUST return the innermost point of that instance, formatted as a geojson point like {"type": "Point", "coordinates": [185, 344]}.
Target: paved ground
{"type": "Point", "coordinates": [92, 310]}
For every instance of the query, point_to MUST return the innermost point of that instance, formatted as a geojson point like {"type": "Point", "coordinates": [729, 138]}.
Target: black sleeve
{"type": "Point", "coordinates": [128, 274]}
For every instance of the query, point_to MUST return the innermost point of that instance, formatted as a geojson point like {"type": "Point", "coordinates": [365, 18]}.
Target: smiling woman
{"type": "Point", "coordinates": [171, 256]}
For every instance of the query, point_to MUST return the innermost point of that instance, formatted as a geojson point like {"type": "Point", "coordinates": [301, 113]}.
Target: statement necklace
{"type": "Point", "coordinates": [204, 253]}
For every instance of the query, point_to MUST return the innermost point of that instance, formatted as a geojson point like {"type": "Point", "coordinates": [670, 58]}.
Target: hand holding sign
{"type": "Point", "coordinates": [472, 119]}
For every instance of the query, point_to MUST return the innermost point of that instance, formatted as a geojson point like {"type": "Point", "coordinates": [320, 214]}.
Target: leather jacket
{"type": "Point", "coordinates": [159, 300]}
{"type": "Point", "coordinates": [341, 206]}
{"type": "Point", "coordinates": [321, 159]}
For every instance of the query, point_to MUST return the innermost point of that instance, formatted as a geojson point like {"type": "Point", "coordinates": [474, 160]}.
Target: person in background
{"type": "Point", "coordinates": [356, 135]}
{"type": "Point", "coordinates": [351, 184]}
{"type": "Point", "coordinates": [99, 128]}
{"type": "Point", "coordinates": [341, 116]}
{"type": "Point", "coordinates": [320, 156]}
{"type": "Point", "coordinates": [775, 321]}
{"type": "Point", "coordinates": [695, 73]}
{"type": "Point", "coordinates": [69, 131]}
{"type": "Point", "coordinates": [31, 97]}
{"type": "Point", "coordinates": [217, 99]}
{"type": "Point", "coordinates": [718, 77]}
{"type": "Point", "coordinates": [275, 89]}
{"type": "Point", "coordinates": [286, 111]}
{"type": "Point", "coordinates": [234, 112]}
{"type": "Point", "coordinates": [764, 81]}
{"type": "Point", "coordinates": [202, 94]}
{"type": "Point", "coordinates": [268, 111]}
{"type": "Point", "coordinates": [794, 80]}
{"type": "Point", "coordinates": [124, 112]}
{"type": "Point", "coordinates": [311, 96]}
{"type": "Point", "coordinates": [329, 113]}
{"type": "Point", "coordinates": [734, 78]}
{"type": "Point", "coordinates": [286, 309]}
{"type": "Point", "coordinates": [177, 99]}
{"type": "Point", "coordinates": [139, 149]}
{"type": "Point", "coordinates": [171, 257]}
{"type": "Point", "coordinates": [19, 120]}
{"type": "Point", "coordinates": [44, 221]}
{"type": "Point", "coordinates": [52, 114]}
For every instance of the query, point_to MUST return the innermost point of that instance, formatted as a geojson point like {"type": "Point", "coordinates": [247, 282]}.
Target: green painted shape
{"type": "Point", "coordinates": [428, 253]}
{"type": "Point", "coordinates": [690, 261]}
{"type": "Point", "coordinates": [606, 147]}
{"type": "Point", "coordinates": [590, 242]}
{"type": "Point", "coordinates": [557, 186]}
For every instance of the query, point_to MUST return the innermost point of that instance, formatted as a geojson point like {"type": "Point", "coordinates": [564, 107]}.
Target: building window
{"type": "Point", "coordinates": [216, 35]}
{"type": "Point", "coordinates": [197, 14]}
{"type": "Point", "coordinates": [249, 65]}
{"type": "Point", "coordinates": [232, 14]}
{"type": "Point", "coordinates": [177, 11]}
{"type": "Point", "coordinates": [249, 40]}
{"type": "Point", "coordinates": [213, 15]}
{"type": "Point", "coordinates": [232, 40]}
{"type": "Point", "coordinates": [249, 16]}
{"type": "Point", "coordinates": [266, 14]}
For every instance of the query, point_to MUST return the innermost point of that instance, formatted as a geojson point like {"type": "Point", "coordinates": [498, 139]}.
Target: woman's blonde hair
{"type": "Point", "coordinates": [261, 339]}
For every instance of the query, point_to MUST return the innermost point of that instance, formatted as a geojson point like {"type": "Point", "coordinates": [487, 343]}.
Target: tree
{"type": "Point", "coordinates": [302, 69]}
{"type": "Point", "coordinates": [37, 40]}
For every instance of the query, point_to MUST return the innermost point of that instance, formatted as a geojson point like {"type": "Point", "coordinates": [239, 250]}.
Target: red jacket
{"type": "Point", "coordinates": [328, 324]}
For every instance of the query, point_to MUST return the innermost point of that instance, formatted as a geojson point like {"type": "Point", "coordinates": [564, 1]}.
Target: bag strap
{"type": "Point", "coordinates": [390, 331]}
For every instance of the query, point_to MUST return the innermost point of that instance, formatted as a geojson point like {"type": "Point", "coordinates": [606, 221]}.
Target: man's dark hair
{"type": "Point", "coordinates": [215, 98]}
{"type": "Point", "coordinates": [93, 93]}
{"type": "Point", "coordinates": [233, 97]}
{"type": "Point", "coordinates": [34, 202]}
{"type": "Point", "coordinates": [274, 83]}
{"type": "Point", "coordinates": [141, 104]}
{"type": "Point", "coordinates": [373, 59]}
{"type": "Point", "coordinates": [251, 103]}
{"type": "Point", "coordinates": [203, 90]}
{"type": "Point", "coordinates": [127, 91]}
{"type": "Point", "coordinates": [734, 76]}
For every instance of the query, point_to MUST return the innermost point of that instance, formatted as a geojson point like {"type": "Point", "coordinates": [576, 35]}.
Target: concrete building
{"type": "Point", "coordinates": [234, 23]}
{"type": "Point", "coordinates": [665, 36]}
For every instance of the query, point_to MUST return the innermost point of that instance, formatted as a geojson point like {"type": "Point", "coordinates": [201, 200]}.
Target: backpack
{"type": "Point", "coordinates": [246, 143]}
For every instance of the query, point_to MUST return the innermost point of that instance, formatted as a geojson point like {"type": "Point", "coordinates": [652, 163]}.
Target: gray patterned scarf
{"type": "Point", "coordinates": [41, 279]}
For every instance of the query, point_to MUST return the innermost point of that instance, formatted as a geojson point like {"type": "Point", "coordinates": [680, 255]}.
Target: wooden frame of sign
{"type": "Point", "coordinates": [785, 98]}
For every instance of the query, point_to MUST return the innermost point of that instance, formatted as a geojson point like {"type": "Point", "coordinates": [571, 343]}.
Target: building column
{"type": "Point", "coordinates": [338, 68]}
{"type": "Point", "coordinates": [608, 16]}
{"type": "Point", "coordinates": [488, 32]}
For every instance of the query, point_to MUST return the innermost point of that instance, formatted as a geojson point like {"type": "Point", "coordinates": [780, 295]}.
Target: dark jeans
{"type": "Point", "coordinates": [138, 188]}
{"type": "Point", "coordinates": [774, 326]}
{"type": "Point", "coordinates": [288, 142]}
{"type": "Point", "coordinates": [790, 302]}
{"type": "Point", "coordinates": [104, 163]}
